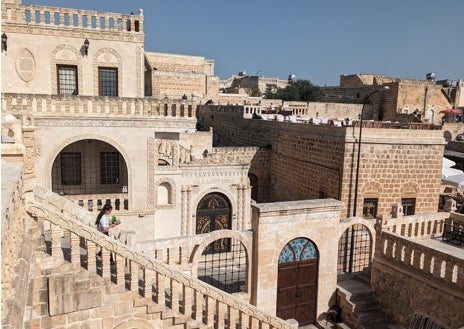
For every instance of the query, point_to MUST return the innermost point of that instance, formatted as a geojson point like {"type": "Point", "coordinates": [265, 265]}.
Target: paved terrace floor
{"type": "Point", "coordinates": [446, 247]}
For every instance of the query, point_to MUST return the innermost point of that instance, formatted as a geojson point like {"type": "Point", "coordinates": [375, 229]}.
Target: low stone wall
{"type": "Point", "coordinates": [402, 276]}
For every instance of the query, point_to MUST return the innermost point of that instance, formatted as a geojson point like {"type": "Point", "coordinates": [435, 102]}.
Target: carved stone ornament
{"type": "Point", "coordinates": [25, 65]}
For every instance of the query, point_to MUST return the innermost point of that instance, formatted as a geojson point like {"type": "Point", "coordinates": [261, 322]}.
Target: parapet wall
{"type": "Point", "coordinates": [404, 272]}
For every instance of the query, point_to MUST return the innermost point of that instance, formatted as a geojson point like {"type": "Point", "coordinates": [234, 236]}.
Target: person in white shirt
{"type": "Point", "coordinates": [103, 221]}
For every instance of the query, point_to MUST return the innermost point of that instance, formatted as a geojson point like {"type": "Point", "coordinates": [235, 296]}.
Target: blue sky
{"type": "Point", "coordinates": [317, 40]}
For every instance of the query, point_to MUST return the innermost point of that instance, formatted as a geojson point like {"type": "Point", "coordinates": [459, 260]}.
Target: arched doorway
{"type": "Point", "coordinates": [89, 166]}
{"type": "Point", "coordinates": [354, 250]}
{"type": "Point", "coordinates": [214, 213]}
{"type": "Point", "coordinates": [297, 281]}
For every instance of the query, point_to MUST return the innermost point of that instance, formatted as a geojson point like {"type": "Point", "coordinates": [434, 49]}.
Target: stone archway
{"type": "Point", "coordinates": [354, 250]}
{"type": "Point", "coordinates": [89, 166]}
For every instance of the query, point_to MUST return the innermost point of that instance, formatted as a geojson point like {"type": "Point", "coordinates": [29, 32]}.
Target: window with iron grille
{"type": "Point", "coordinates": [409, 206]}
{"type": "Point", "coordinates": [107, 81]}
{"type": "Point", "coordinates": [67, 79]}
{"type": "Point", "coordinates": [109, 168]}
{"type": "Point", "coordinates": [370, 208]}
{"type": "Point", "coordinates": [70, 168]}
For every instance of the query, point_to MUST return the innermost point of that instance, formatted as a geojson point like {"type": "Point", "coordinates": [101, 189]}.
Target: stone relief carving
{"type": "Point", "coordinates": [25, 65]}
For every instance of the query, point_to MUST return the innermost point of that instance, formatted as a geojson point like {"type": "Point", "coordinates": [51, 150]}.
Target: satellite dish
{"type": "Point", "coordinates": [242, 73]}
{"type": "Point", "coordinates": [292, 77]}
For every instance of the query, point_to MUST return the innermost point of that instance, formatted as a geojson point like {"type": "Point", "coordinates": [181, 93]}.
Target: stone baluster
{"type": "Point", "coordinates": [120, 272]}
{"type": "Point", "coordinates": [233, 317]}
{"type": "Point", "coordinates": [210, 310]}
{"type": "Point", "coordinates": [198, 312]}
{"type": "Point", "coordinates": [148, 282]}
{"type": "Point", "coordinates": [254, 323]}
{"type": "Point", "coordinates": [188, 300]}
{"type": "Point", "coordinates": [244, 320]}
{"type": "Point", "coordinates": [75, 248]}
{"type": "Point", "coordinates": [134, 276]}
{"type": "Point", "coordinates": [106, 273]}
{"type": "Point", "coordinates": [42, 17]}
{"type": "Point", "coordinates": [174, 295]}
{"type": "Point", "coordinates": [449, 269]}
{"type": "Point", "coordinates": [160, 289]}
{"type": "Point", "coordinates": [61, 17]}
{"type": "Point", "coordinates": [107, 23]}
{"type": "Point", "coordinates": [436, 269]}
{"type": "Point", "coordinates": [265, 325]}
{"type": "Point", "coordinates": [427, 262]}
{"type": "Point", "coordinates": [91, 257]}
{"type": "Point", "coordinates": [56, 240]}
{"type": "Point", "coordinates": [220, 312]}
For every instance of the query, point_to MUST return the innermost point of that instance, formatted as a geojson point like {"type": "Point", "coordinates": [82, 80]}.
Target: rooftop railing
{"type": "Point", "coordinates": [78, 106]}
{"type": "Point", "coordinates": [72, 18]}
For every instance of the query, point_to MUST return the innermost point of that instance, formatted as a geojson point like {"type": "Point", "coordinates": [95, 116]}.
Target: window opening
{"type": "Point", "coordinates": [67, 80]}
{"type": "Point", "coordinates": [71, 168]}
{"type": "Point", "coordinates": [107, 81]}
{"type": "Point", "coordinates": [109, 168]}
{"type": "Point", "coordinates": [370, 208]}
{"type": "Point", "coordinates": [409, 206]}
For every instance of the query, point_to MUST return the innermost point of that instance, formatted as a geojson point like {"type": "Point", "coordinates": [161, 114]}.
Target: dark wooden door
{"type": "Point", "coordinates": [214, 213]}
{"type": "Point", "coordinates": [297, 289]}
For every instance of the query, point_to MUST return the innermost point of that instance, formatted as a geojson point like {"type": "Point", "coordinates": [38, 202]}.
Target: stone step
{"type": "Point", "coordinates": [365, 303]}
{"type": "Point", "coordinates": [370, 316]}
{"type": "Point", "coordinates": [363, 278]}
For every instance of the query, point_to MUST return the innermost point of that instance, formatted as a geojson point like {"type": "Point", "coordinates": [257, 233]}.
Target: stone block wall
{"type": "Point", "coordinates": [316, 161]}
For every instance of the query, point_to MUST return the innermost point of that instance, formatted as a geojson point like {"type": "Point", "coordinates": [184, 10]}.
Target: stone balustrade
{"type": "Point", "coordinates": [431, 263]}
{"type": "Point", "coordinates": [417, 227]}
{"type": "Point", "coordinates": [92, 106]}
{"type": "Point", "coordinates": [95, 202]}
{"type": "Point", "coordinates": [158, 286]}
{"type": "Point", "coordinates": [72, 18]}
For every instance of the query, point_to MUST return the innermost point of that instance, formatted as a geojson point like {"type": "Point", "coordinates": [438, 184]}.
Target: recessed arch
{"type": "Point", "coordinates": [89, 166]}
{"type": "Point", "coordinates": [61, 146]}
{"type": "Point", "coordinates": [165, 193]}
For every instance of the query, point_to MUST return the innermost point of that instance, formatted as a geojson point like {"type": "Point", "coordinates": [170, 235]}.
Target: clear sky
{"type": "Point", "coordinates": [317, 40]}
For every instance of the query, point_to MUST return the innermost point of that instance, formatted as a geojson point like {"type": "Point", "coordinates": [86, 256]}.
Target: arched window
{"type": "Point", "coordinates": [354, 250]}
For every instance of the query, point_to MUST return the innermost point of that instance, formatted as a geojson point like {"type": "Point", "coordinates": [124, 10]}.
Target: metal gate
{"type": "Point", "coordinates": [297, 282]}
{"type": "Point", "coordinates": [214, 213]}
{"type": "Point", "coordinates": [354, 250]}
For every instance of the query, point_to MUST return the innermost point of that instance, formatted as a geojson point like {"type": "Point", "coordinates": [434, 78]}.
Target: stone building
{"type": "Point", "coordinates": [407, 100]}
{"type": "Point", "coordinates": [201, 245]}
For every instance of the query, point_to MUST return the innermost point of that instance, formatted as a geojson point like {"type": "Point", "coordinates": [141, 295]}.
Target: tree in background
{"type": "Point", "coordinates": [296, 90]}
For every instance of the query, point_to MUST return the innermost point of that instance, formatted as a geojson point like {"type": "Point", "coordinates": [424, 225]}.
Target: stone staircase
{"type": "Point", "coordinates": [72, 285]}
{"type": "Point", "coordinates": [360, 308]}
